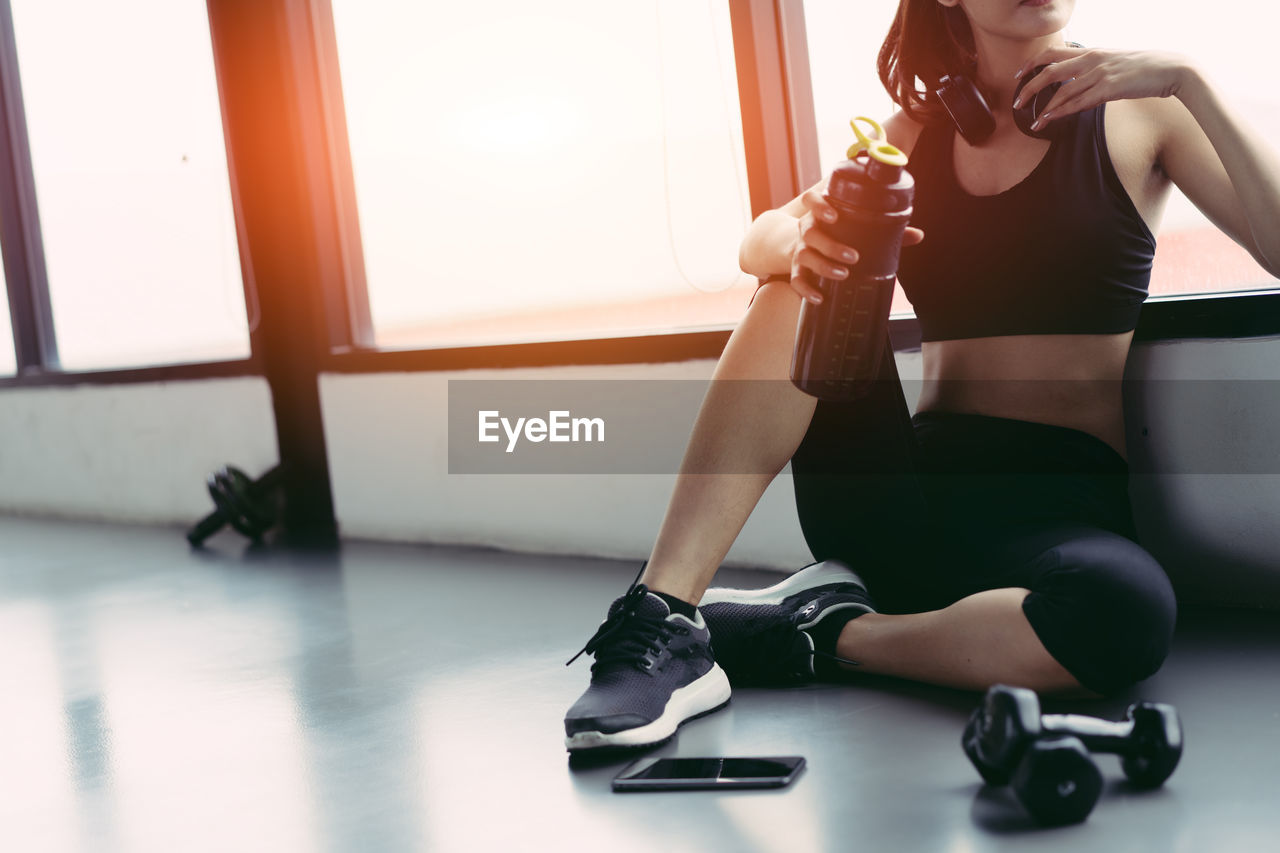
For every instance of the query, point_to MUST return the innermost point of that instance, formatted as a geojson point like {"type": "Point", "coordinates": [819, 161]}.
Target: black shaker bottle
{"type": "Point", "coordinates": [839, 341]}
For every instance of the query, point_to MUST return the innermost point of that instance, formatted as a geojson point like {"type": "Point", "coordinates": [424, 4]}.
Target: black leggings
{"type": "Point", "coordinates": [934, 507]}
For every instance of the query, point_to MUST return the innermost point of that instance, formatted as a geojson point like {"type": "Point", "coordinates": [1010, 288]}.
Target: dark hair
{"type": "Point", "coordinates": [927, 41]}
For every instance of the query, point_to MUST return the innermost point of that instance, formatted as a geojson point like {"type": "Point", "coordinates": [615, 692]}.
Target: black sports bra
{"type": "Point", "coordinates": [1064, 251]}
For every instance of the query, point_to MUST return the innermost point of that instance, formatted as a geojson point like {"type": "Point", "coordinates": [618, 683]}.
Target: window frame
{"type": "Point", "coordinates": [27, 283]}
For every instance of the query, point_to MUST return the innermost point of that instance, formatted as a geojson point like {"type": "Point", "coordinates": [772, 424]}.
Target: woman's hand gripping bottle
{"type": "Point", "coordinates": [839, 341]}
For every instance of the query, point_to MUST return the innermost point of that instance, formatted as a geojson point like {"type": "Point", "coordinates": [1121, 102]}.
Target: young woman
{"type": "Point", "coordinates": [992, 529]}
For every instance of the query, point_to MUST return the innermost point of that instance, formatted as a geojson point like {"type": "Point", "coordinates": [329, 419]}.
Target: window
{"type": "Point", "coordinates": [1193, 256]}
{"type": "Point", "coordinates": [131, 181]}
{"type": "Point", "coordinates": [535, 171]}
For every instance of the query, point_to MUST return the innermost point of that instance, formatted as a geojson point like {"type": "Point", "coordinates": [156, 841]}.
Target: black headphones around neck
{"type": "Point", "coordinates": [973, 117]}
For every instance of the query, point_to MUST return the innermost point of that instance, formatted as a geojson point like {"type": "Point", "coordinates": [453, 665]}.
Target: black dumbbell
{"type": "Point", "coordinates": [1148, 740]}
{"type": "Point", "coordinates": [1006, 735]}
{"type": "Point", "coordinates": [1056, 780]}
{"type": "Point", "coordinates": [249, 506]}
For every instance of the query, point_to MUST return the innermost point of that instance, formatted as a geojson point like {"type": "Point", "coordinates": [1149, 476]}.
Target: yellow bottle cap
{"type": "Point", "coordinates": [875, 146]}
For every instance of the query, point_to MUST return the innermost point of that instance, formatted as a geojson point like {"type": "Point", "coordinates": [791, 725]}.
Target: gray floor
{"type": "Point", "coordinates": [410, 698]}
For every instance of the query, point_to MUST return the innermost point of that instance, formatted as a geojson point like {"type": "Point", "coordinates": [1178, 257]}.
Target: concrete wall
{"type": "Point", "coordinates": [135, 453]}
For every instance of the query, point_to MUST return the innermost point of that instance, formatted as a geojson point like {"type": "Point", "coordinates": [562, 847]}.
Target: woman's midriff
{"type": "Point", "coordinates": [1066, 380]}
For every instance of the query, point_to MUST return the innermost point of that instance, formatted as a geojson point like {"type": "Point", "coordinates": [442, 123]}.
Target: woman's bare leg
{"type": "Point", "coordinates": [741, 427]}
{"type": "Point", "coordinates": [979, 641]}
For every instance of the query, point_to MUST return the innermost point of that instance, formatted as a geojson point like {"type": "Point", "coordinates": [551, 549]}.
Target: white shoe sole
{"type": "Point", "coordinates": [707, 694]}
{"type": "Point", "coordinates": [818, 574]}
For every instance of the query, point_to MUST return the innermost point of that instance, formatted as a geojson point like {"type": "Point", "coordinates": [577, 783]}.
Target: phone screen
{"type": "Point", "coordinates": [664, 774]}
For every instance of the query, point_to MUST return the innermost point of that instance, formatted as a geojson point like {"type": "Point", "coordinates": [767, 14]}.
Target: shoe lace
{"type": "Point", "coordinates": [626, 636]}
{"type": "Point", "coordinates": [836, 657]}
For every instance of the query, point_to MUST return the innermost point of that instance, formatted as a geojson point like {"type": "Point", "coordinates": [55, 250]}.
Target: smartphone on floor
{"type": "Point", "coordinates": [684, 774]}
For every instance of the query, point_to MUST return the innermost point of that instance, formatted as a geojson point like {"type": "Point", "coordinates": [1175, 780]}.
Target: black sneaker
{"type": "Point", "coordinates": [763, 637]}
{"type": "Point", "coordinates": [653, 671]}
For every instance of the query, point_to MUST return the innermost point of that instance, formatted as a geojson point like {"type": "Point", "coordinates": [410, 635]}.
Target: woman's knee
{"type": "Point", "coordinates": [1109, 606]}
{"type": "Point", "coordinates": [760, 347]}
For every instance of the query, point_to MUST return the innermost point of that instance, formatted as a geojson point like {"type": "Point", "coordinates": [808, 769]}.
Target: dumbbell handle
{"type": "Point", "coordinates": [1097, 735]}
{"type": "Point", "coordinates": [207, 526]}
